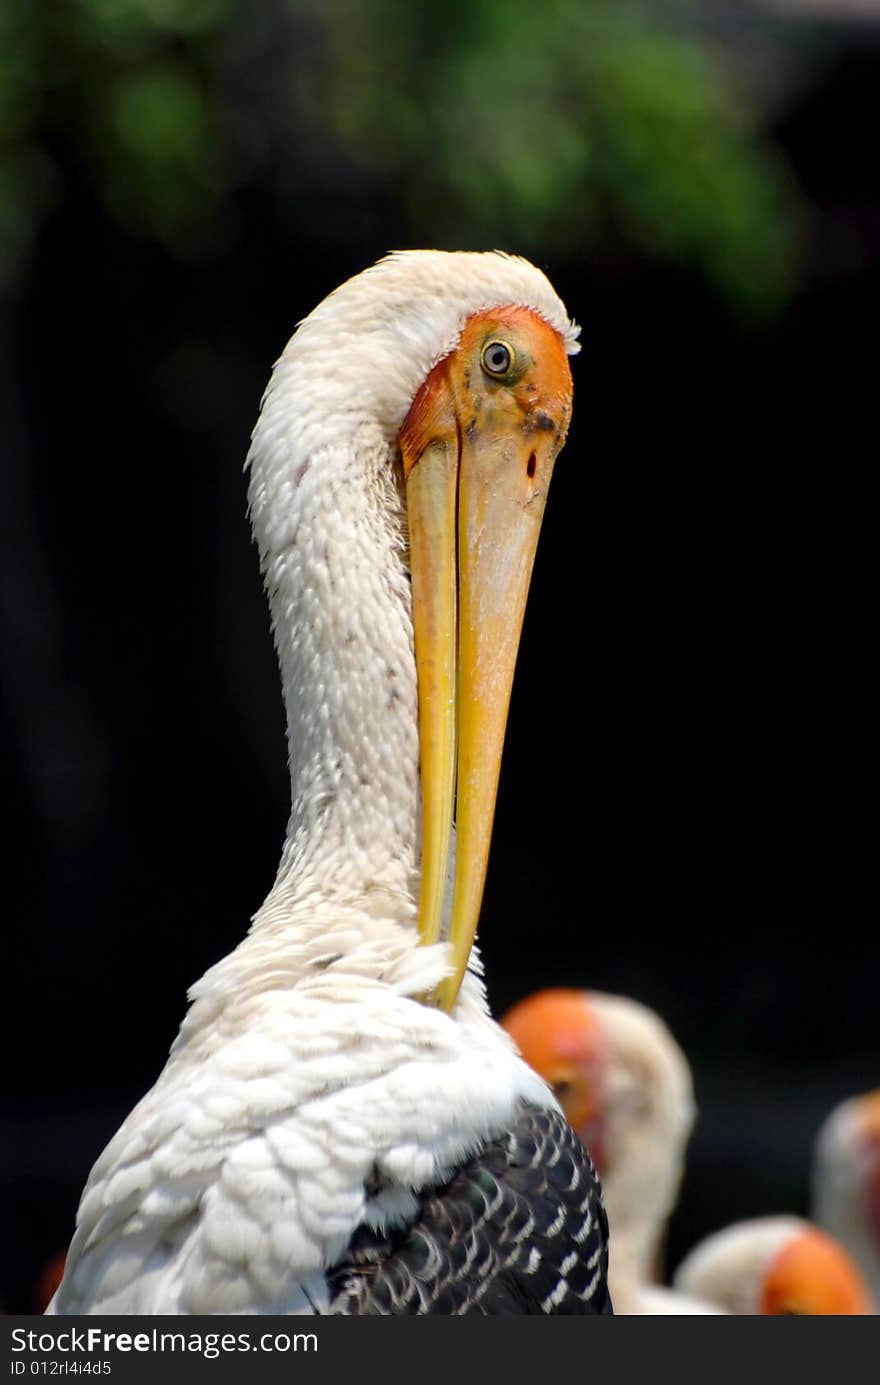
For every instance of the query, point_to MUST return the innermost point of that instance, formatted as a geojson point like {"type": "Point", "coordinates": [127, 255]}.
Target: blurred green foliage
{"type": "Point", "coordinates": [539, 128]}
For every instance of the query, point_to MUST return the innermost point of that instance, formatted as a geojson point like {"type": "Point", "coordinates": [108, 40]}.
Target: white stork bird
{"type": "Point", "coordinates": [775, 1267]}
{"type": "Point", "coordinates": [846, 1181]}
{"type": "Point", "coordinates": [626, 1088]}
{"type": "Point", "coordinates": [340, 1126]}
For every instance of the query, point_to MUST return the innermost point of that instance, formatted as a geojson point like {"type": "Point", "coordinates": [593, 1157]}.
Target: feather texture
{"type": "Point", "coordinates": [519, 1229]}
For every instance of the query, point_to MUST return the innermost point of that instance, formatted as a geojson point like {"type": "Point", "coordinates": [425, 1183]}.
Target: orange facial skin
{"type": "Point", "coordinates": [458, 397]}
{"type": "Point", "coordinates": [560, 1037]}
{"type": "Point", "coordinates": [814, 1276]}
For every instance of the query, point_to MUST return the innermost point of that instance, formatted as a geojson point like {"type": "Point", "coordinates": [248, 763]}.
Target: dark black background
{"type": "Point", "coordinates": [687, 801]}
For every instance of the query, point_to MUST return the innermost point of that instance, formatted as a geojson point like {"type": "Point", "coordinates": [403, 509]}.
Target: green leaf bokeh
{"type": "Point", "coordinates": [549, 129]}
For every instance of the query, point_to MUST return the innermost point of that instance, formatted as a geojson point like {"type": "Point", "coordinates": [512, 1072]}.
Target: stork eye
{"type": "Point", "coordinates": [497, 358]}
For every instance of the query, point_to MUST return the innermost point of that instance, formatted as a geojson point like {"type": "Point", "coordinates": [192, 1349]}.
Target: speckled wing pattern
{"type": "Point", "coordinates": [520, 1228]}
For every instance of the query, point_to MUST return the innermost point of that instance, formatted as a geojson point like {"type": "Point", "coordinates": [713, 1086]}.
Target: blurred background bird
{"type": "Point", "coordinates": [846, 1181]}
{"type": "Point", "coordinates": [625, 1086]}
{"type": "Point", "coordinates": [774, 1266]}
{"type": "Point", "coordinates": [678, 818]}
{"type": "Point", "coordinates": [49, 1278]}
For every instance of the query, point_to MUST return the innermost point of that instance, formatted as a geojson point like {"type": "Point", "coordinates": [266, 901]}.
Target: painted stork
{"type": "Point", "coordinates": [626, 1087]}
{"type": "Point", "coordinates": [846, 1181]}
{"type": "Point", "coordinates": [775, 1267]}
{"type": "Point", "coordinates": [340, 1126]}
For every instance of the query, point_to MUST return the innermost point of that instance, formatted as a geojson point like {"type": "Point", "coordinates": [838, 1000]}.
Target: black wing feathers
{"type": "Point", "coordinates": [520, 1228]}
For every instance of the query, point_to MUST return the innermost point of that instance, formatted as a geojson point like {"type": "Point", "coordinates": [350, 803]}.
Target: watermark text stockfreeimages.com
{"type": "Point", "coordinates": [96, 1341]}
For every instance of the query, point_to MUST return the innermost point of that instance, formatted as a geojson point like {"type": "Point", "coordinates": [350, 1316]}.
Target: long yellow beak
{"type": "Point", "coordinates": [477, 462]}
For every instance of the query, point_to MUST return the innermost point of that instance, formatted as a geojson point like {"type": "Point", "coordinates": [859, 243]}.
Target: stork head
{"type": "Point", "coordinates": [625, 1087]}
{"type": "Point", "coordinates": [846, 1173]}
{"type": "Point", "coordinates": [775, 1266]}
{"type": "Point", "coordinates": [560, 1035]}
{"type": "Point", "coordinates": [869, 1136]}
